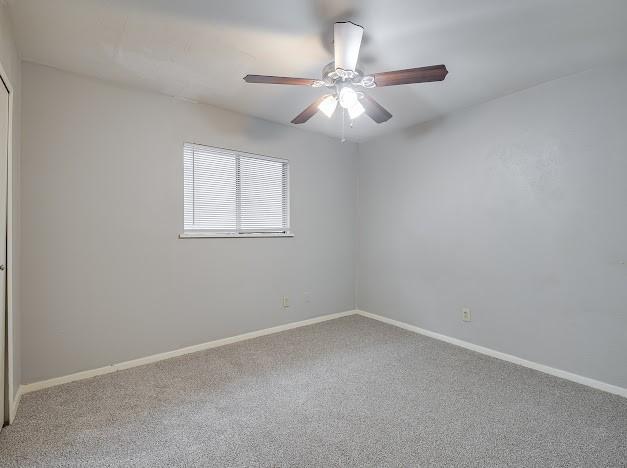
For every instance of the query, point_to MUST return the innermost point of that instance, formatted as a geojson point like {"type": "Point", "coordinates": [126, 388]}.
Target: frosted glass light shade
{"type": "Point", "coordinates": [355, 110]}
{"type": "Point", "coordinates": [328, 105]}
{"type": "Point", "coordinates": [348, 97]}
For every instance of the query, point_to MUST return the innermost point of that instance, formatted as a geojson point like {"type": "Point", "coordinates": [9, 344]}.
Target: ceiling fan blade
{"type": "Point", "coordinates": [309, 112]}
{"type": "Point", "coordinates": [375, 111]}
{"type": "Point", "coordinates": [278, 80]}
{"type": "Point", "coordinates": [346, 42]}
{"type": "Point", "coordinates": [411, 75]}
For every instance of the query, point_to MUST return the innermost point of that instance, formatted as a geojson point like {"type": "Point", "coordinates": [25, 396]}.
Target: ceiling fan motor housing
{"type": "Point", "coordinates": [331, 77]}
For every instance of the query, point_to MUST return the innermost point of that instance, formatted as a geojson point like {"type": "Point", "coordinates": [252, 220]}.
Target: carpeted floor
{"type": "Point", "coordinates": [348, 392]}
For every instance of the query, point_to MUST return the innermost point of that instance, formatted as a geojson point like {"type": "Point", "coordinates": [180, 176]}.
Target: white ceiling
{"type": "Point", "coordinates": [201, 49]}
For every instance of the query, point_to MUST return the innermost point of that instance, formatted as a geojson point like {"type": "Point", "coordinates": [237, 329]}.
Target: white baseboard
{"type": "Point", "coordinates": [504, 356]}
{"type": "Point", "coordinates": [23, 389]}
{"type": "Point", "coordinates": [15, 403]}
{"type": "Point", "coordinates": [170, 354]}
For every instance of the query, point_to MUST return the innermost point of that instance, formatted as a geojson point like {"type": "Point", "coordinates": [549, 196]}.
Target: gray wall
{"type": "Point", "coordinates": [10, 60]}
{"type": "Point", "coordinates": [517, 209]}
{"type": "Point", "coordinates": [106, 279]}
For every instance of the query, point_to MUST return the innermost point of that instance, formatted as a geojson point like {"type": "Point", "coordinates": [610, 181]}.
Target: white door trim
{"type": "Point", "coordinates": [9, 266]}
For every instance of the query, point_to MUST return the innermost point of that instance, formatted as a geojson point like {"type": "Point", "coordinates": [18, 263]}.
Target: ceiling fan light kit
{"type": "Point", "coordinates": [345, 81]}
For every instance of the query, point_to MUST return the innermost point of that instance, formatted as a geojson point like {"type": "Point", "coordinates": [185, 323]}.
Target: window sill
{"type": "Point", "coordinates": [227, 235]}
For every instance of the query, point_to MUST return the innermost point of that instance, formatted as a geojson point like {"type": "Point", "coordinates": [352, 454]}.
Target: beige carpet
{"type": "Point", "coordinates": [349, 392]}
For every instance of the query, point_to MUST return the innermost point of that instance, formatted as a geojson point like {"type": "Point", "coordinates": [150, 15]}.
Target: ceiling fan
{"type": "Point", "coordinates": [344, 80]}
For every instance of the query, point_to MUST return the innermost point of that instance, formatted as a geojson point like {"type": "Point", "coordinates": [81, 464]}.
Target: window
{"type": "Point", "coordinates": [229, 193]}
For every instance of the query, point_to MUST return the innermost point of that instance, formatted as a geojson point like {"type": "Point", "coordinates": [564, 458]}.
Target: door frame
{"type": "Point", "coordinates": [13, 400]}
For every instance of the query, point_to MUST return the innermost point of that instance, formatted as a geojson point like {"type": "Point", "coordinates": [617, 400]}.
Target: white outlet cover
{"type": "Point", "coordinates": [466, 316]}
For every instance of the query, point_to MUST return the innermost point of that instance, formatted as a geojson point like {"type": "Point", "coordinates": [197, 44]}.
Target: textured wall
{"type": "Point", "coordinates": [105, 277]}
{"type": "Point", "coordinates": [517, 209]}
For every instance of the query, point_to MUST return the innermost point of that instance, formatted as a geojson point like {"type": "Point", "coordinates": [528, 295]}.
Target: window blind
{"type": "Point", "coordinates": [233, 192]}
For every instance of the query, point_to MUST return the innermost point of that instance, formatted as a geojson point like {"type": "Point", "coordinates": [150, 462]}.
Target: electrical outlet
{"type": "Point", "coordinates": [286, 302]}
{"type": "Point", "coordinates": [466, 317]}
{"type": "Point", "coordinates": [307, 297]}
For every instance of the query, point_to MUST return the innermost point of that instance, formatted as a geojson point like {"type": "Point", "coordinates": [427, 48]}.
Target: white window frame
{"type": "Point", "coordinates": [240, 233]}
